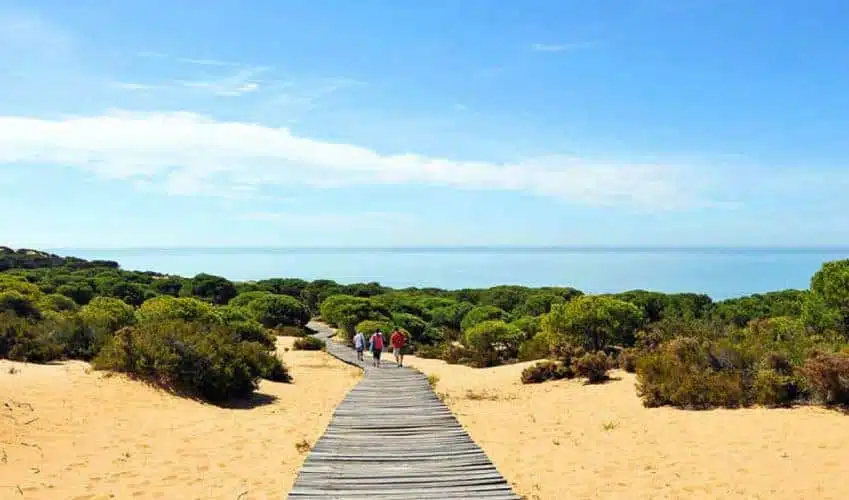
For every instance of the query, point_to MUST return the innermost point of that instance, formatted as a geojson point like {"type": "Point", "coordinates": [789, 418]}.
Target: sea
{"type": "Point", "coordinates": [719, 272]}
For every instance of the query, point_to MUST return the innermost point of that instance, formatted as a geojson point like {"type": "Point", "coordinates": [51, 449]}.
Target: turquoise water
{"type": "Point", "coordinates": [719, 272]}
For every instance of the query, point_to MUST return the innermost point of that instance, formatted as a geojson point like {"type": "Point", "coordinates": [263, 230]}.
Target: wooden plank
{"type": "Point", "coordinates": [391, 438]}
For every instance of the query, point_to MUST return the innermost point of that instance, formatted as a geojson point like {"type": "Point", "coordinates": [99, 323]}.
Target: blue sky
{"type": "Point", "coordinates": [642, 122]}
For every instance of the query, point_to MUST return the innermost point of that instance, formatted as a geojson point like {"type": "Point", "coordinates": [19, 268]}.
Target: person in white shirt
{"type": "Point", "coordinates": [359, 345]}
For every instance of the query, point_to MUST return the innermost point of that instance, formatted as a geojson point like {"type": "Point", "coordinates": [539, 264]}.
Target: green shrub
{"type": "Point", "coordinates": [274, 311]}
{"type": "Point", "coordinates": [429, 351]}
{"type": "Point", "coordinates": [251, 331]}
{"type": "Point", "coordinates": [774, 389]}
{"type": "Point", "coordinates": [593, 366]}
{"type": "Point", "coordinates": [593, 322]}
{"type": "Point", "coordinates": [58, 303]}
{"type": "Point", "coordinates": [20, 305]}
{"type": "Point", "coordinates": [22, 339]}
{"type": "Point", "coordinates": [231, 313]}
{"type": "Point", "coordinates": [197, 359]}
{"type": "Point", "coordinates": [827, 375]}
{"type": "Point", "coordinates": [292, 331]}
{"type": "Point", "coordinates": [628, 360]}
{"type": "Point", "coordinates": [245, 298]}
{"type": "Point", "coordinates": [77, 340]}
{"type": "Point", "coordinates": [166, 308]}
{"type": "Point", "coordinates": [530, 325]}
{"type": "Point", "coordinates": [546, 370]}
{"type": "Point", "coordinates": [309, 344]}
{"type": "Point", "coordinates": [369, 326]}
{"type": "Point", "coordinates": [454, 354]}
{"type": "Point", "coordinates": [689, 373]}
{"type": "Point", "coordinates": [493, 342]}
{"type": "Point", "coordinates": [482, 313]}
{"type": "Point", "coordinates": [534, 348]}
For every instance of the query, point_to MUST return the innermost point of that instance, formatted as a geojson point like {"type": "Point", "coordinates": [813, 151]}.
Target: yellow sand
{"type": "Point", "coordinates": [69, 433]}
{"type": "Point", "coordinates": [567, 440]}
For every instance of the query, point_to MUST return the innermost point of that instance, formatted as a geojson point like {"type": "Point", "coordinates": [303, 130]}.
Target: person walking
{"type": "Point", "coordinates": [376, 342]}
{"type": "Point", "coordinates": [360, 345]}
{"type": "Point", "coordinates": [398, 340]}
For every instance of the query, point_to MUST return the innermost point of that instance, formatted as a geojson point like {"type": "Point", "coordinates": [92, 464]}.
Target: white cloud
{"type": "Point", "coordinates": [186, 153]}
{"type": "Point", "coordinates": [562, 47]}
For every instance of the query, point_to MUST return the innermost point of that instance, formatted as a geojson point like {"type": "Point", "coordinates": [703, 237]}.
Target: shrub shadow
{"type": "Point", "coordinates": [608, 380]}
{"type": "Point", "coordinates": [255, 400]}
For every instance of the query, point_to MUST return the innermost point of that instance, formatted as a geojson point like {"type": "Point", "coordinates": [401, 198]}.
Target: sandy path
{"type": "Point", "coordinates": [567, 440]}
{"type": "Point", "coordinates": [108, 437]}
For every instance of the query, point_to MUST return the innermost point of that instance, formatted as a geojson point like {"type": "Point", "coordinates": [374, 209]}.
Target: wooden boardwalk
{"type": "Point", "coordinates": [391, 438]}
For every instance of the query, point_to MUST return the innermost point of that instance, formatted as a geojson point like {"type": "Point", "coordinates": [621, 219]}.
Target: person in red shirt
{"type": "Point", "coordinates": [398, 339]}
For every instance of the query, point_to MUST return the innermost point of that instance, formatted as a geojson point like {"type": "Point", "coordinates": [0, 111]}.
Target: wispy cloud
{"type": "Point", "coordinates": [239, 83]}
{"type": "Point", "coordinates": [189, 60]}
{"type": "Point", "coordinates": [348, 220]}
{"type": "Point", "coordinates": [209, 62]}
{"type": "Point", "coordinates": [185, 153]}
{"type": "Point", "coordinates": [135, 86]}
{"type": "Point", "coordinates": [153, 55]}
{"type": "Point", "coordinates": [562, 47]}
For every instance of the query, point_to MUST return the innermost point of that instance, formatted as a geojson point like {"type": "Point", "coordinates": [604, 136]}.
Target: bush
{"type": "Point", "coordinates": [530, 325]}
{"type": "Point", "coordinates": [480, 314]}
{"type": "Point", "coordinates": [101, 318]}
{"type": "Point", "coordinates": [245, 298]}
{"type": "Point", "coordinates": [309, 344]}
{"type": "Point", "coordinates": [58, 303]}
{"type": "Point", "coordinates": [593, 322]}
{"type": "Point", "coordinates": [369, 326]}
{"type": "Point", "coordinates": [686, 373]}
{"type": "Point", "coordinates": [534, 348]}
{"type": "Point", "coordinates": [827, 374]}
{"type": "Point", "coordinates": [493, 342]}
{"type": "Point", "coordinates": [192, 358]}
{"type": "Point", "coordinates": [77, 340]}
{"type": "Point", "coordinates": [429, 351]}
{"type": "Point", "coordinates": [251, 331]}
{"type": "Point", "coordinates": [774, 389]}
{"type": "Point", "coordinates": [546, 370]}
{"type": "Point", "coordinates": [593, 366]}
{"type": "Point", "coordinates": [215, 289]}
{"type": "Point", "coordinates": [166, 308]}
{"type": "Point", "coordinates": [274, 311]}
{"type": "Point", "coordinates": [628, 360]}
{"type": "Point", "coordinates": [18, 304]}
{"type": "Point", "coordinates": [21, 339]}
{"type": "Point", "coordinates": [454, 354]}
{"type": "Point", "coordinates": [292, 331]}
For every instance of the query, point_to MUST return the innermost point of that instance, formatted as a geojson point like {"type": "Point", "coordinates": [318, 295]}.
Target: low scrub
{"type": "Point", "coordinates": [293, 331]}
{"type": "Point", "coordinates": [593, 366]}
{"type": "Point", "coordinates": [309, 344]}
{"type": "Point", "coordinates": [22, 339]}
{"type": "Point", "coordinates": [206, 361]}
{"type": "Point", "coordinates": [627, 360]}
{"type": "Point", "coordinates": [534, 348]}
{"type": "Point", "coordinates": [695, 374]}
{"type": "Point", "coordinates": [827, 375]}
{"type": "Point", "coordinates": [546, 370]}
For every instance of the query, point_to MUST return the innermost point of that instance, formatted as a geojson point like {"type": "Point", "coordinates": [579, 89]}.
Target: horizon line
{"type": "Point", "coordinates": [463, 248]}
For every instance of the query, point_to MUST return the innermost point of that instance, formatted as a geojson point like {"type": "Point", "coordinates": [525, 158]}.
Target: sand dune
{"type": "Point", "coordinates": [69, 433]}
{"type": "Point", "coordinates": [566, 440]}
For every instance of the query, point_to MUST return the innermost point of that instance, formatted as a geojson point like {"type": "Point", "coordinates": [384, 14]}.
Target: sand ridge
{"type": "Point", "coordinates": [567, 440]}
{"type": "Point", "coordinates": [72, 433]}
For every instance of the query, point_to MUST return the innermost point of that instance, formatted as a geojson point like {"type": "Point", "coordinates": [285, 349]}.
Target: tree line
{"type": "Point", "coordinates": [687, 349]}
